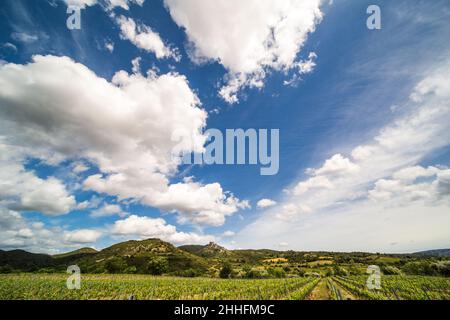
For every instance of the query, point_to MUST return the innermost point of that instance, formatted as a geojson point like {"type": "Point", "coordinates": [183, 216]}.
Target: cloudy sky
{"type": "Point", "coordinates": [91, 122]}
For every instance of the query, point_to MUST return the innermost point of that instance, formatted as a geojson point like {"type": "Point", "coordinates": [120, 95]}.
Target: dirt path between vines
{"type": "Point", "coordinates": [345, 294]}
{"type": "Point", "coordinates": [320, 292]}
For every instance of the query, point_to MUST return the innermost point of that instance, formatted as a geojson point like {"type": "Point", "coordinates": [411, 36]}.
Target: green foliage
{"type": "Point", "coordinates": [25, 261]}
{"type": "Point", "coordinates": [276, 273]}
{"type": "Point", "coordinates": [338, 271]}
{"type": "Point", "coordinates": [255, 274]}
{"type": "Point", "coordinates": [226, 271]}
{"type": "Point", "coordinates": [442, 268]}
{"type": "Point", "coordinates": [6, 269]}
{"type": "Point", "coordinates": [130, 270]}
{"type": "Point", "coordinates": [189, 273]}
{"type": "Point", "coordinates": [115, 265]}
{"type": "Point", "coordinates": [157, 266]}
{"type": "Point", "coordinates": [101, 286]}
{"type": "Point", "coordinates": [303, 291]}
{"type": "Point", "coordinates": [153, 256]}
{"type": "Point", "coordinates": [390, 270]}
{"type": "Point", "coordinates": [145, 287]}
{"type": "Point", "coordinates": [399, 287]}
{"type": "Point", "coordinates": [419, 268]}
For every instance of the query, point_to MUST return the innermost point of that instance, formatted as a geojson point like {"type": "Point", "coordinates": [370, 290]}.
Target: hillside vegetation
{"type": "Point", "coordinates": [156, 257]}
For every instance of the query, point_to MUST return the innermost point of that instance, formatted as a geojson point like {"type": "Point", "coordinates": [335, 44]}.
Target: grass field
{"type": "Point", "coordinates": [53, 287]}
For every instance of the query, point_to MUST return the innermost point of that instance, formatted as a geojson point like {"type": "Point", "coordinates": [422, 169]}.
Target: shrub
{"type": "Point", "coordinates": [419, 268]}
{"type": "Point", "coordinates": [226, 271]}
{"type": "Point", "coordinates": [157, 266]}
{"type": "Point", "coordinates": [190, 273]}
{"type": "Point", "coordinates": [276, 273]}
{"type": "Point", "coordinates": [115, 265]}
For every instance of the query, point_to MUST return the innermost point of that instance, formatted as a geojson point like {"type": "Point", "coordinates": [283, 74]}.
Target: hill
{"type": "Point", "coordinates": [24, 261]}
{"type": "Point", "coordinates": [151, 256]}
{"type": "Point", "coordinates": [211, 250]}
{"type": "Point", "coordinates": [156, 257]}
{"type": "Point", "coordinates": [78, 252]}
{"type": "Point", "coordinates": [435, 253]}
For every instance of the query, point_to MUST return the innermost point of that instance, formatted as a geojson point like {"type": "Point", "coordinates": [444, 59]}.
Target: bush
{"type": "Point", "coordinates": [190, 273]}
{"type": "Point", "coordinates": [226, 271]}
{"type": "Point", "coordinates": [419, 268]}
{"type": "Point", "coordinates": [255, 274]}
{"type": "Point", "coordinates": [276, 273]}
{"type": "Point", "coordinates": [442, 268]}
{"type": "Point", "coordinates": [157, 266]}
{"type": "Point", "coordinates": [116, 265]}
{"type": "Point", "coordinates": [130, 270]}
{"type": "Point", "coordinates": [6, 269]}
{"type": "Point", "coordinates": [390, 270]}
{"type": "Point", "coordinates": [338, 271]}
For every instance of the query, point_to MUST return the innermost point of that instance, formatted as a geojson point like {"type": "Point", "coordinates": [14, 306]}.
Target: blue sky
{"type": "Point", "coordinates": [364, 133]}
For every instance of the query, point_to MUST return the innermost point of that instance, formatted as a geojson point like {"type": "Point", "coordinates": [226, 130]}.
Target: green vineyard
{"type": "Point", "coordinates": [399, 288]}
{"type": "Point", "coordinates": [121, 287]}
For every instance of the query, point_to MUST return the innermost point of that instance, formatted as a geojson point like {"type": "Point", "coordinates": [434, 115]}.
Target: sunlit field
{"type": "Point", "coordinates": [141, 287]}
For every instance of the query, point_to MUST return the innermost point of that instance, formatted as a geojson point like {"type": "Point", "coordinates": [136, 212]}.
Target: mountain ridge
{"type": "Point", "coordinates": [435, 253]}
{"type": "Point", "coordinates": [157, 257]}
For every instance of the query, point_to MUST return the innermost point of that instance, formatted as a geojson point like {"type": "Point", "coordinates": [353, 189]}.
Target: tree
{"type": "Point", "coordinates": [157, 266]}
{"type": "Point", "coordinates": [226, 271]}
{"type": "Point", "coordinates": [115, 265]}
{"type": "Point", "coordinates": [276, 273]}
{"type": "Point", "coordinates": [338, 271]}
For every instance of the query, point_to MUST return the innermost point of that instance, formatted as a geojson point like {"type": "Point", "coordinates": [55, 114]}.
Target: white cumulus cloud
{"type": "Point", "coordinates": [82, 236]}
{"type": "Point", "coordinates": [23, 190]}
{"type": "Point", "coordinates": [133, 129]}
{"type": "Point", "coordinates": [249, 38]}
{"type": "Point", "coordinates": [265, 203]}
{"type": "Point", "coordinates": [17, 232]}
{"type": "Point", "coordinates": [145, 227]}
{"type": "Point", "coordinates": [145, 38]}
{"type": "Point", "coordinates": [108, 210]}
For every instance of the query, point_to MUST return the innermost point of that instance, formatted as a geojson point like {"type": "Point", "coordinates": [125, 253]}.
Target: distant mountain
{"type": "Point", "coordinates": [154, 256]}
{"type": "Point", "coordinates": [192, 248]}
{"type": "Point", "coordinates": [25, 261]}
{"type": "Point", "coordinates": [216, 253]}
{"type": "Point", "coordinates": [435, 253]}
{"type": "Point", "coordinates": [69, 258]}
{"type": "Point", "coordinates": [211, 250]}
{"type": "Point", "coordinates": [78, 252]}
{"type": "Point", "coordinates": [151, 256]}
